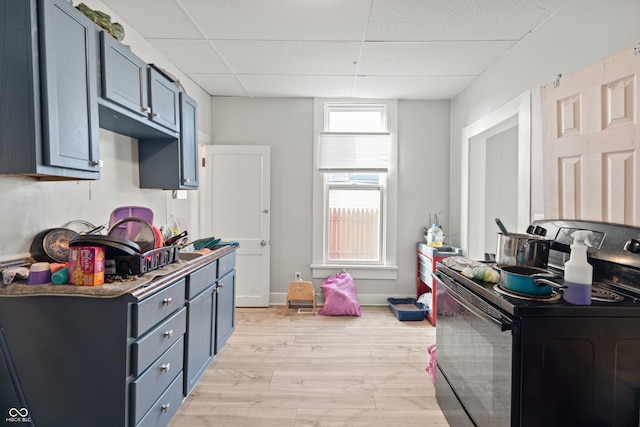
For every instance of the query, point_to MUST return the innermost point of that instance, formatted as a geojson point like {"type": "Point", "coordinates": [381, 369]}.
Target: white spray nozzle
{"type": "Point", "coordinates": [580, 236]}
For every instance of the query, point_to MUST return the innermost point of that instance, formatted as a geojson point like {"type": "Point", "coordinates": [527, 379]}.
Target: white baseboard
{"type": "Point", "coordinates": [279, 298]}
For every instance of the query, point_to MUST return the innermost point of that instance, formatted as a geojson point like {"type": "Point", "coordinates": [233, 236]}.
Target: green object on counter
{"type": "Point", "coordinates": [209, 243]}
{"type": "Point", "coordinates": [60, 277]}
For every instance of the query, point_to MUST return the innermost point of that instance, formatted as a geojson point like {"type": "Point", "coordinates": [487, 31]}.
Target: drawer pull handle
{"type": "Point", "coordinates": [165, 407]}
{"type": "Point", "coordinates": [168, 334]}
{"type": "Point", "coordinates": [167, 301]}
{"type": "Point", "coordinates": [166, 367]}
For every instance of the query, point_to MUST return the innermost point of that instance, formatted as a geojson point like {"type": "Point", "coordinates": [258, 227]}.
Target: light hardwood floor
{"type": "Point", "coordinates": [305, 370]}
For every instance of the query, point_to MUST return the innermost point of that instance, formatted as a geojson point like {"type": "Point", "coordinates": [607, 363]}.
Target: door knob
{"type": "Point", "coordinates": [263, 243]}
{"type": "Point", "coordinates": [265, 211]}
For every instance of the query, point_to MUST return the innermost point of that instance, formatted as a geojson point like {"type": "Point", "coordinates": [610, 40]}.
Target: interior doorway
{"type": "Point", "coordinates": [496, 181]}
{"type": "Point", "coordinates": [235, 190]}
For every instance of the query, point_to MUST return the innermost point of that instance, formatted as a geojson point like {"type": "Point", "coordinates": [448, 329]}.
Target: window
{"type": "Point", "coordinates": [354, 217]}
{"type": "Point", "coordinates": [353, 168]}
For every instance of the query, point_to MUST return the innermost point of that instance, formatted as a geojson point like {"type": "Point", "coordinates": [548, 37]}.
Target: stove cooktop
{"type": "Point", "coordinates": [626, 304]}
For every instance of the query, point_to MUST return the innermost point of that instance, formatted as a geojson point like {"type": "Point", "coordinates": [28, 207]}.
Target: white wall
{"type": "Point", "coordinates": [286, 125]}
{"type": "Point", "coordinates": [29, 207]}
{"type": "Point", "coordinates": [580, 33]}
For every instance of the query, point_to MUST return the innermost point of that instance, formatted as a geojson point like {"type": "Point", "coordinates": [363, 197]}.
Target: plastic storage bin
{"type": "Point", "coordinates": [399, 309]}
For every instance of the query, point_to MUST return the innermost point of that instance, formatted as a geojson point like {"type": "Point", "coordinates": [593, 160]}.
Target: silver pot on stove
{"type": "Point", "coordinates": [522, 249]}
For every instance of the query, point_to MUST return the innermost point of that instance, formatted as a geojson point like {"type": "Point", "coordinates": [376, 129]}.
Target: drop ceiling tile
{"type": "Point", "coordinates": [413, 59]}
{"type": "Point", "coordinates": [437, 20]}
{"type": "Point", "coordinates": [411, 87]}
{"type": "Point", "coordinates": [280, 19]}
{"type": "Point", "coordinates": [155, 18]}
{"type": "Point", "coordinates": [298, 86]}
{"type": "Point", "coordinates": [192, 56]}
{"type": "Point", "coordinates": [312, 58]}
{"type": "Point", "coordinates": [219, 84]}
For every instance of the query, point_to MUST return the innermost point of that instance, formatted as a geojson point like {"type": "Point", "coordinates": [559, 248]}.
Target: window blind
{"type": "Point", "coordinates": [354, 152]}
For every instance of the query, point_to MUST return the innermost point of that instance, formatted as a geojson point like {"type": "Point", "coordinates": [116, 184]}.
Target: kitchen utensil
{"type": "Point", "coordinates": [522, 249]}
{"type": "Point", "coordinates": [501, 226]}
{"type": "Point", "coordinates": [113, 245]}
{"type": "Point", "coordinates": [528, 280]}
{"type": "Point", "coordinates": [130, 212]}
{"type": "Point", "coordinates": [135, 229]}
{"type": "Point", "coordinates": [84, 227]}
{"type": "Point", "coordinates": [52, 245]}
{"type": "Point", "coordinates": [179, 239]}
{"type": "Point", "coordinates": [159, 241]}
{"type": "Point", "coordinates": [39, 273]}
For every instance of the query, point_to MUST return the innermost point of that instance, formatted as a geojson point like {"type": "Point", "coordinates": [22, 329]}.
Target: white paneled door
{"type": "Point", "coordinates": [235, 206]}
{"type": "Point", "coordinates": [590, 140]}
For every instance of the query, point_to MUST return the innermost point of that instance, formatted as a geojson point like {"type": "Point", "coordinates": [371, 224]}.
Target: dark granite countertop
{"type": "Point", "coordinates": [139, 288]}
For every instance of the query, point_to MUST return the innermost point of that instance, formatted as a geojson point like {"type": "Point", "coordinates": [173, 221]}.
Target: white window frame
{"type": "Point", "coordinates": [386, 269]}
{"type": "Point", "coordinates": [381, 243]}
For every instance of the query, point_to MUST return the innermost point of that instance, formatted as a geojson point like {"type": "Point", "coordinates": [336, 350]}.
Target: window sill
{"type": "Point", "coordinates": [373, 272]}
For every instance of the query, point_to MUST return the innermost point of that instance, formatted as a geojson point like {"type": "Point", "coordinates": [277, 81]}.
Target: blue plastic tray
{"type": "Point", "coordinates": [403, 314]}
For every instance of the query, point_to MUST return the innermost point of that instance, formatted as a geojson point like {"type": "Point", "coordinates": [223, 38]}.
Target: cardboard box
{"type": "Point", "coordinates": [86, 265]}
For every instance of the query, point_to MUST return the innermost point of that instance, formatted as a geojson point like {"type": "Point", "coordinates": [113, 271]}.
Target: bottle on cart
{"type": "Point", "coordinates": [435, 236]}
{"type": "Point", "coordinates": [578, 273]}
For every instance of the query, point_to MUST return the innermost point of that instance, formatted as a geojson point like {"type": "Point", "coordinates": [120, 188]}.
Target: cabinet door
{"type": "Point", "coordinates": [124, 76]}
{"type": "Point", "coordinates": [164, 101]}
{"type": "Point", "coordinates": [199, 345]}
{"type": "Point", "coordinates": [225, 316]}
{"type": "Point", "coordinates": [188, 141]}
{"type": "Point", "coordinates": [68, 57]}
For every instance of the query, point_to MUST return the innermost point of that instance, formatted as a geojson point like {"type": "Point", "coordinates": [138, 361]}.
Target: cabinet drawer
{"type": "Point", "coordinates": [226, 263]}
{"type": "Point", "coordinates": [148, 387]}
{"type": "Point", "coordinates": [148, 348]}
{"type": "Point", "coordinates": [426, 278]}
{"type": "Point", "coordinates": [425, 262]}
{"type": "Point", "coordinates": [201, 279]}
{"type": "Point", "coordinates": [151, 311]}
{"type": "Point", "coordinates": [165, 407]}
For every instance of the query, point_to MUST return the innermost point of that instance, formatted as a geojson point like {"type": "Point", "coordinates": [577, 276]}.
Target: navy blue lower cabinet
{"type": "Point", "coordinates": [120, 361]}
{"type": "Point", "coordinates": [199, 343]}
{"type": "Point", "coordinates": [226, 302]}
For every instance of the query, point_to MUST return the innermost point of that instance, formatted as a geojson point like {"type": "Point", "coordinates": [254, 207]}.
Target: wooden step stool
{"type": "Point", "coordinates": [301, 294]}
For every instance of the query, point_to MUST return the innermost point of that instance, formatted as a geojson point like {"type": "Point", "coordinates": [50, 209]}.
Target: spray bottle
{"type": "Point", "coordinates": [578, 273]}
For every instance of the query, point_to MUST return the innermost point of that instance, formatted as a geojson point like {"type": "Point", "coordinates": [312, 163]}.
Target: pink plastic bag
{"type": "Point", "coordinates": [431, 367]}
{"type": "Point", "coordinates": [340, 296]}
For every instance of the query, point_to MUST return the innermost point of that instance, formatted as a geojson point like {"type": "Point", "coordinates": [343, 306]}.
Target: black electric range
{"type": "Point", "coordinates": [504, 360]}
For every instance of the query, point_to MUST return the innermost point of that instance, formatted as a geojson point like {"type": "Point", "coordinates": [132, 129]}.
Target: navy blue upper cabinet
{"type": "Point", "coordinates": [189, 141]}
{"type": "Point", "coordinates": [135, 99]}
{"type": "Point", "coordinates": [49, 109]}
{"type": "Point", "coordinates": [164, 101]}
{"type": "Point", "coordinates": [124, 76]}
{"type": "Point", "coordinates": [172, 164]}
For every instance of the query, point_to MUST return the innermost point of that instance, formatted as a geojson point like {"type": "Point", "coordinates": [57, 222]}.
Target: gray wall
{"type": "Point", "coordinates": [580, 33]}
{"type": "Point", "coordinates": [286, 125]}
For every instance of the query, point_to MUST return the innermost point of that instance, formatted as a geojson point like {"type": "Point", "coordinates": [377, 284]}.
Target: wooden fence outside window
{"type": "Point", "coordinates": [354, 234]}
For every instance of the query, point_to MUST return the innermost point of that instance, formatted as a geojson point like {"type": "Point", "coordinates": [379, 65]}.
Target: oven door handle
{"type": "Point", "coordinates": [503, 326]}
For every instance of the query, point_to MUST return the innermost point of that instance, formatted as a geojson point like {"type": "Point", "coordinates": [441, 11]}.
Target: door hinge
{"type": "Point", "coordinates": [204, 162]}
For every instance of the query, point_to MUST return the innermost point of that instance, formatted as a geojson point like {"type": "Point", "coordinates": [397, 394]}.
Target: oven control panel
{"type": "Point", "coordinates": [612, 243]}
{"type": "Point", "coordinates": [594, 240]}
